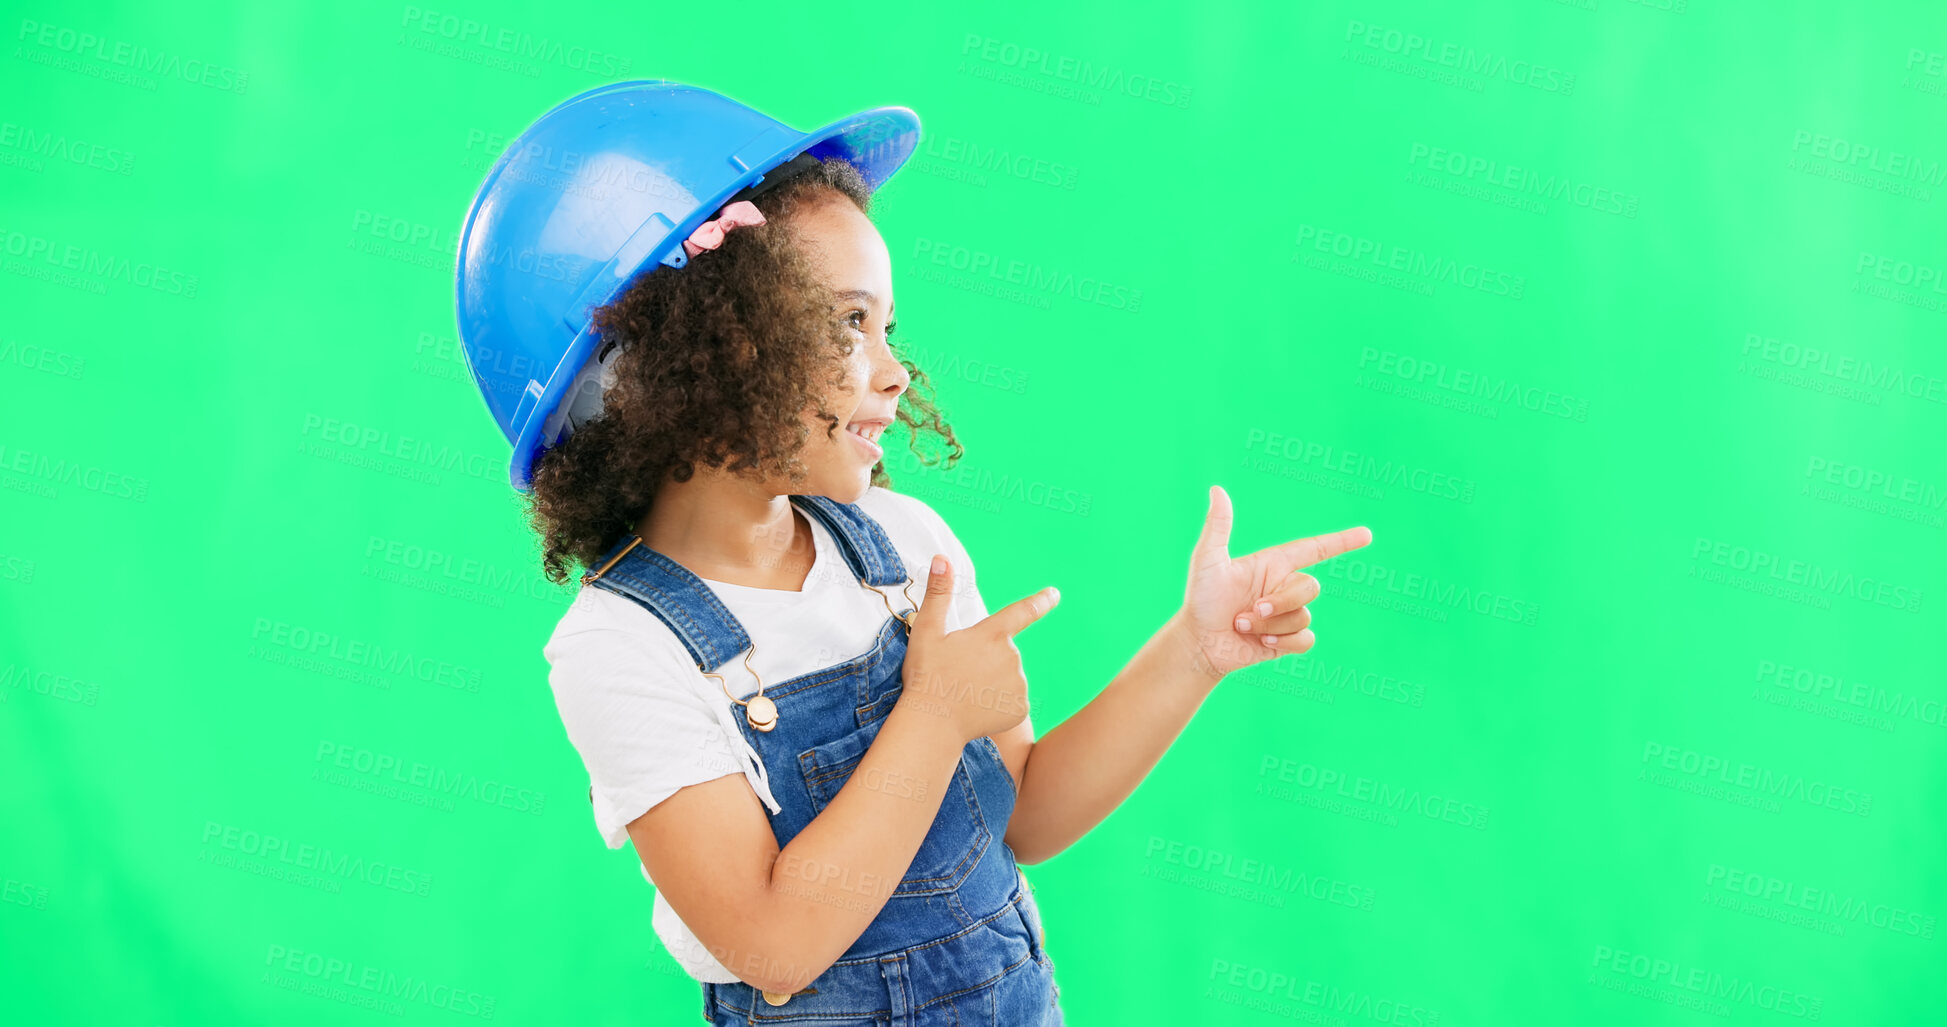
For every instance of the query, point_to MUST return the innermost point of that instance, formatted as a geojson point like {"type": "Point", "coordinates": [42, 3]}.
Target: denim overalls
{"type": "Point", "coordinates": [959, 941]}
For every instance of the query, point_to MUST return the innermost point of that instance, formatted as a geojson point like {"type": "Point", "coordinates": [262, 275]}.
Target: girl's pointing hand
{"type": "Point", "coordinates": [1251, 609]}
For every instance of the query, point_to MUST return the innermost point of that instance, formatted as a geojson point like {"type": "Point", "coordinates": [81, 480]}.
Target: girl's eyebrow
{"type": "Point", "coordinates": [868, 296]}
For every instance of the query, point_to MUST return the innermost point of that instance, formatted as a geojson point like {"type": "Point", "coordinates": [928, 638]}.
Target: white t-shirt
{"type": "Point", "coordinates": [648, 723]}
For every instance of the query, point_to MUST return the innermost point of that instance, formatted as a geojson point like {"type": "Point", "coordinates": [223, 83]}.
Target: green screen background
{"type": "Point", "coordinates": [1619, 323]}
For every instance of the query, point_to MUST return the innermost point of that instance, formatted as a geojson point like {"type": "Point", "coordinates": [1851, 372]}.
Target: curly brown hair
{"type": "Point", "coordinates": [719, 359]}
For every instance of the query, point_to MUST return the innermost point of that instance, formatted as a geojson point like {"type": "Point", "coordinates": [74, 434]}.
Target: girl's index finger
{"type": "Point", "coordinates": [1307, 551]}
{"type": "Point", "coordinates": [1015, 617]}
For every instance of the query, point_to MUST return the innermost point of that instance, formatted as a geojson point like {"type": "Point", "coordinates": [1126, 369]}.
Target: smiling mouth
{"type": "Point", "coordinates": [867, 432]}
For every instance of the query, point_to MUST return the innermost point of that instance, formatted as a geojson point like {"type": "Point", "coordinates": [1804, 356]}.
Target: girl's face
{"type": "Point", "coordinates": [858, 269]}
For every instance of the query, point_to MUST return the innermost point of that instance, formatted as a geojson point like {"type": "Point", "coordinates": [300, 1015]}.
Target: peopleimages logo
{"type": "Point", "coordinates": [447, 783]}
{"type": "Point", "coordinates": [58, 253]}
{"type": "Point", "coordinates": [1483, 63]}
{"type": "Point", "coordinates": [1842, 368]}
{"type": "Point", "coordinates": [1866, 157]}
{"type": "Point", "coordinates": [1871, 698]}
{"type": "Point", "coordinates": [369, 986]}
{"type": "Point", "coordinates": [1359, 788]}
{"type": "Point", "coordinates": [512, 42]}
{"type": "Point", "coordinates": [1720, 770]}
{"type": "Point", "coordinates": [1704, 985]}
{"type": "Point", "coordinates": [49, 471]}
{"type": "Point", "coordinates": [1360, 465]}
{"type": "Point", "coordinates": [1426, 588]}
{"type": "Point", "coordinates": [326, 861]}
{"type": "Point", "coordinates": [363, 653]}
{"type": "Point", "coordinates": [1262, 874]}
{"type": "Point", "coordinates": [1073, 69]}
{"type": "Point", "coordinates": [1820, 900]}
{"type": "Point", "coordinates": [1026, 274]}
{"type": "Point", "coordinates": [59, 147]}
{"type": "Point", "coordinates": [1467, 382]}
{"type": "Point", "coordinates": [1296, 996]}
{"type": "Point", "coordinates": [1808, 575]}
{"type": "Point", "coordinates": [1525, 181]}
{"type": "Point", "coordinates": [1359, 250]}
{"type": "Point", "coordinates": [416, 455]}
{"type": "Point", "coordinates": [116, 53]}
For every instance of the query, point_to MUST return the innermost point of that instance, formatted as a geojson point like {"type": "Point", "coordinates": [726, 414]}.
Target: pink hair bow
{"type": "Point", "coordinates": [709, 234]}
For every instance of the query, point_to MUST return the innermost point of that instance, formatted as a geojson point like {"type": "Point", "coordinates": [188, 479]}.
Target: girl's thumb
{"type": "Point", "coordinates": [939, 585]}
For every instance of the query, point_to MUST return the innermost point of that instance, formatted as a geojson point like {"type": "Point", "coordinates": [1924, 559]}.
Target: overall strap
{"type": "Point", "coordinates": [706, 627]}
{"type": "Point", "coordinates": [868, 550]}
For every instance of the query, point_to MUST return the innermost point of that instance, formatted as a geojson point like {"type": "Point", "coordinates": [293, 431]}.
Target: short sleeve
{"type": "Point", "coordinates": [630, 707]}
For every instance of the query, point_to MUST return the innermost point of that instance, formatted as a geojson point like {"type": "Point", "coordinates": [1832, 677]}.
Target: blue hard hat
{"type": "Point", "coordinates": [607, 184]}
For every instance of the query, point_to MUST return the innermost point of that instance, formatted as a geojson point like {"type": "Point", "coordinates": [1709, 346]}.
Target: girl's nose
{"type": "Point", "coordinates": [889, 372]}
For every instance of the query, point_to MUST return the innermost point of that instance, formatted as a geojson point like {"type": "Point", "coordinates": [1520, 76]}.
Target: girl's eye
{"type": "Point", "coordinates": [891, 326]}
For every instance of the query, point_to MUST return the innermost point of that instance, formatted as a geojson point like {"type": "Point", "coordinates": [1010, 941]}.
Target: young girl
{"type": "Point", "coordinates": [831, 781]}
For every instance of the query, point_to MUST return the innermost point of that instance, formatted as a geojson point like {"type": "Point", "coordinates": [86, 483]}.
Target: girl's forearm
{"type": "Point", "coordinates": [1080, 771]}
{"type": "Point", "coordinates": [837, 873]}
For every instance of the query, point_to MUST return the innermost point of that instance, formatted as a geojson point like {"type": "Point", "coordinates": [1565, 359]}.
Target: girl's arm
{"type": "Point", "coordinates": [1235, 613]}
{"type": "Point", "coordinates": [1082, 770]}
{"type": "Point", "coordinates": [776, 918]}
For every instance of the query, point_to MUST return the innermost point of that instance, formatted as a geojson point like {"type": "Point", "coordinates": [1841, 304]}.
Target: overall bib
{"type": "Point", "coordinates": [959, 940]}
